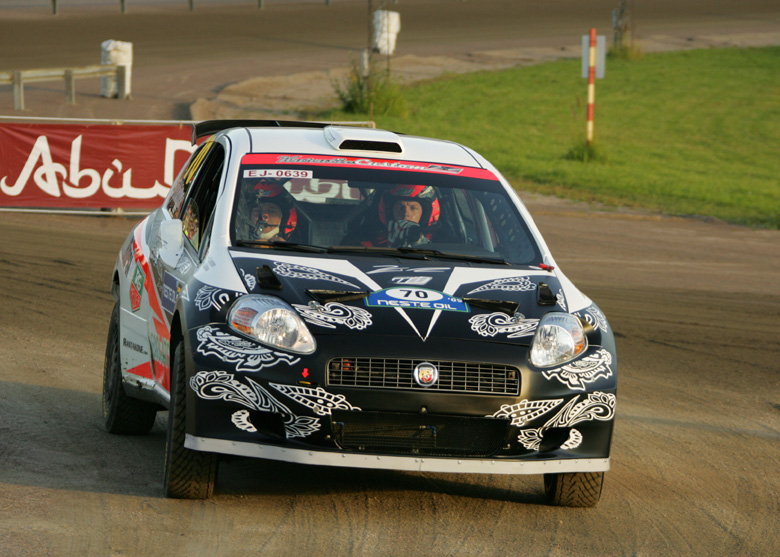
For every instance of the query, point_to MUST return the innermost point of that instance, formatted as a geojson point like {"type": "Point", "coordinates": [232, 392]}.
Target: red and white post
{"type": "Point", "coordinates": [591, 83]}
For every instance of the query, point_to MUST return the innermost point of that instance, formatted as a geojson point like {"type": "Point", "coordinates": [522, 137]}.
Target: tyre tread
{"type": "Point", "coordinates": [188, 474]}
{"type": "Point", "coordinates": [577, 489]}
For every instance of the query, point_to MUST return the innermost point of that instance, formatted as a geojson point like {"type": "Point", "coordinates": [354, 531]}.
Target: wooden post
{"type": "Point", "coordinates": [591, 84]}
{"type": "Point", "coordinates": [70, 87]}
{"type": "Point", "coordinates": [192, 5]}
{"type": "Point", "coordinates": [18, 91]}
{"type": "Point", "coordinates": [122, 6]}
{"type": "Point", "coordinates": [54, 7]}
{"type": "Point", "coordinates": [122, 86]}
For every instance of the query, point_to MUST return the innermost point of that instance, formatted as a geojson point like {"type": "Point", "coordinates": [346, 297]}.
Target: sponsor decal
{"type": "Point", "coordinates": [170, 290]}
{"type": "Point", "coordinates": [598, 406]}
{"type": "Point", "coordinates": [489, 325]}
{"type": "Point", "coordinates": [334, 313]}
{"type": "Point", "coordinates": [248, 356]}
{"type": "Point", "coordinates": [127, 257]}
{"type": "Point", "coordinates": [583, 371]}
{"type": "Point", "coordinates": [400, 269]}
{"type": "Point", "coordinates": [220, 385]}
{"type": "Point", "coordinates": [185, 264]}
{"type": "Point", "coordinates": [134, 346]}
{"type": "Point", "coordinates": [137, 287]}
{"type": "Point", "coordinates": [412, 281]}
{"type": "Point", "coordinates": [90, 166]}
{"type": "Point", "coordinates": [415, 298]}
{"type": "Point", "coordinates": [376, 163]}
{"type": "Point", "coordinates": [510, 284]}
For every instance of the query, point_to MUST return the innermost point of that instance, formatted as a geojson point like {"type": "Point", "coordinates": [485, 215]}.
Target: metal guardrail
{"type": "Point", "coordinates": [19, 77]}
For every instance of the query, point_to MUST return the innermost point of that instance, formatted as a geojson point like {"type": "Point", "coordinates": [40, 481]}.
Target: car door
{"type": "Point", "coordinates": [188, 211]}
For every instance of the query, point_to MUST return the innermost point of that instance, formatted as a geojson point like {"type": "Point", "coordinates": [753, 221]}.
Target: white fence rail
{"type": "Point", "coordinates": [19, 77]}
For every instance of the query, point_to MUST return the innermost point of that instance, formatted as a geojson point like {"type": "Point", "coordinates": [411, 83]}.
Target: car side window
{"type": "Point", "coordinates": [203, 196]}
{"type": "Point", "coordinates": [181, 185]}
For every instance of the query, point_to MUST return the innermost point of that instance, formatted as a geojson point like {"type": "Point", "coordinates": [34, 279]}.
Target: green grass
{"type": "Point", "coordinates": [686, 133]}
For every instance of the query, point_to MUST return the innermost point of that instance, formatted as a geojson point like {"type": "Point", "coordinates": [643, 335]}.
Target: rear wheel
{"type": "Point", "coordinates": [188, 474]}
{"type": "Point", "coordinates": [578, 489]}
{"type": "Point", "coordinates": [122, 413]}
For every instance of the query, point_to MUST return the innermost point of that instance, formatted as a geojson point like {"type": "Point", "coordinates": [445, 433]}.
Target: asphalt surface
{"type": "Point", "coordinates": [694, 304]}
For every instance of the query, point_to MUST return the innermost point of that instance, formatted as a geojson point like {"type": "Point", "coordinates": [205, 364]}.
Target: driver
{"type": "Point", "coordinates": [268, 211]}
{"type": "Point", "coordinates": [408, 212]}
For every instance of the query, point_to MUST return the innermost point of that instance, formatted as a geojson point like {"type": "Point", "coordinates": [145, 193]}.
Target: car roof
{"type": "Point", "coordinates": [321, 138]}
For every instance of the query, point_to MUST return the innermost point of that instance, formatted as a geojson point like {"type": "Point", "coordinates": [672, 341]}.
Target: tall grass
{"type": "Point", "coordinates": [688, 133]}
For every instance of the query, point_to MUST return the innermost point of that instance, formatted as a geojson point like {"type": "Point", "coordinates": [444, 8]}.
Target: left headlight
{"type": "Point", "coordinates": [271, 321]}
{"type": "Point", "coordinates": [558, 339]}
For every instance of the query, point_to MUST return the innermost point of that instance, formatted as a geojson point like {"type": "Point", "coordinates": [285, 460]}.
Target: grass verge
{"type": "Point", "coordinates": [686, 133]}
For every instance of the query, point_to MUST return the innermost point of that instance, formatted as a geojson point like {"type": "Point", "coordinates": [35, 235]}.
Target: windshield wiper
{"type": "Point", "coordinates": [293, 246]}
{"type": "Point", "coordinates": [395, 252]}
{"type": "Point", "coordinates": [447, 255]}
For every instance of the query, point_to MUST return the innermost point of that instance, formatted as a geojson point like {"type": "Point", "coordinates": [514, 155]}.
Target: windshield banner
{"type": "Point", "coordinates": [90, 166]}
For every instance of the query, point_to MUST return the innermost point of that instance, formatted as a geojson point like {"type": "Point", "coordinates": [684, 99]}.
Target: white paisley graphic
{"type": "Point", "coordinates": [318, 399]}
{"type": "Point", "coordinates": [291, 270]}
{"type": "Point", "coordinates": [220, 385]}
{"type": "Point", "coordinates": [511, 284]}
{"type": "Point", "coordinates": [245, 354]}
{"type": "Point", "coordinates": [581, 372]}
{"type": "Point", "coordinates": [250, 280]}
{"type": "Point", "coordinates": [489, 325]}
{"type": "Point", "coordinates": [595, 317]}
{"type": "Point", "coordinates": [210, 296]}
{"type": "Point", "coordinates": [598, 406]}
{"type": "Point", "coordinates": [334, 313]}
{"type": "Point", "coordinates": [526, 410]}
{"type": "Point", "coordinates": [561, 299]}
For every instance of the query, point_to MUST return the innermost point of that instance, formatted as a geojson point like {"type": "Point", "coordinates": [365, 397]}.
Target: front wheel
{"type": "Point", "coordinates": [122, 413]}
{"type": "Point", "coordinates": [188, 474]}
{"type": "Point", "coordinates": [577, 489]}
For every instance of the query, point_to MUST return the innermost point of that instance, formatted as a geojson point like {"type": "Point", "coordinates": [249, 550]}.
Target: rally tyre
{"type": "Point", "coordinates": [188, 474]}
{"type": "Point", "coordinates": [578, 489]}
{"type": "Point", "coordinates": [121, 413]}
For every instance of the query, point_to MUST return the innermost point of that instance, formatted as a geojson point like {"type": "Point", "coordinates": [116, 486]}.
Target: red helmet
{"type": "Point", "coordinates": [272, 191]}
{"type": "Point", "coordinates": [424, 195]}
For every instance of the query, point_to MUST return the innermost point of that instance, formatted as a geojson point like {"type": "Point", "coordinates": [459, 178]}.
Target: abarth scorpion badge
{"type": "Point", "coordinates": [426, 374]}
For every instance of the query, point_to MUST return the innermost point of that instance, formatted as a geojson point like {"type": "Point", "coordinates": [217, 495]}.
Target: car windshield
{"type": "Point", "coordinates": [446, 211]}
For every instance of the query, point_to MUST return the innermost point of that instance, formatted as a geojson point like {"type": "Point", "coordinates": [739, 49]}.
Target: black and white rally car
{"type": "Point", "coordinates": [348, 296]}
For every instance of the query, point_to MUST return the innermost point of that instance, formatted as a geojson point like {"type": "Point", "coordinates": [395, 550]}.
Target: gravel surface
{"type": "Point", "coordinates": [694, 304]}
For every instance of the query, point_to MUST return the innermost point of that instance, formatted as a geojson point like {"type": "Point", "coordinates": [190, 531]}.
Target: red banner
{"type": "Point", "coordinates": [90, 166]}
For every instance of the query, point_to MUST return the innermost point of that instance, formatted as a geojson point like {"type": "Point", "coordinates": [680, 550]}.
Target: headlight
{"type": "Point", "coordinates": [271, 321]}
{"type": "Point", "coordinates": [559, 338]}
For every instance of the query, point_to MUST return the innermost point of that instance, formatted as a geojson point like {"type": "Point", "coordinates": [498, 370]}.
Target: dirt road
{"type": "Point", "coordinates": [694, 304]}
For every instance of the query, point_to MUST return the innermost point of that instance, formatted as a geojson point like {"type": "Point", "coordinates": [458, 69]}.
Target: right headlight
{"type": "Point", "coordinates": [271, 321]}
{"type": "Point", "coordinates": [558, 339]}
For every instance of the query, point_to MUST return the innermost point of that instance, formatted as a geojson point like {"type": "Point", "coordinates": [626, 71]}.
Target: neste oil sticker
{"type": "Point", "coordinates": [415, 298]}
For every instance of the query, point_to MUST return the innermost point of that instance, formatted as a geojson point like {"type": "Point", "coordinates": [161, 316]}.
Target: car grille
{"type": "Point", "coordinates": [418, 434]}
{"type": "Point", "coordinates": [454, 377]}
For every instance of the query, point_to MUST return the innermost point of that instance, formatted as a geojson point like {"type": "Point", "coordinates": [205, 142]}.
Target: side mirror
{"type": "Point", "coordinates": [171, 243]}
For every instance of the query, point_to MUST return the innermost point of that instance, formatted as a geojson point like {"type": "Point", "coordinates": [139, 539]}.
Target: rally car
{"type": "Point", "coordinates": [348, 296]}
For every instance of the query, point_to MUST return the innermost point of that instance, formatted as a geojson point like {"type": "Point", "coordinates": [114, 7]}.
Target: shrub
{"type": "Point", "coordinates": [376, 93]}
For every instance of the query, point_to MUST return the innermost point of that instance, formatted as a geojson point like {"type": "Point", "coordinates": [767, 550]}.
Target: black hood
{"type": "Point", "coordinates": [401, 297]}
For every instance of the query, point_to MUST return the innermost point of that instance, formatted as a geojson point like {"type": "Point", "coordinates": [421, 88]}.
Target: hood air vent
{"type": "Point", "coordinates": [356, 139]}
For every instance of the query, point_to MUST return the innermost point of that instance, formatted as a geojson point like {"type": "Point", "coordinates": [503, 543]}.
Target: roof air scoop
{"type": "Point", "coordinates": [356, 139]}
